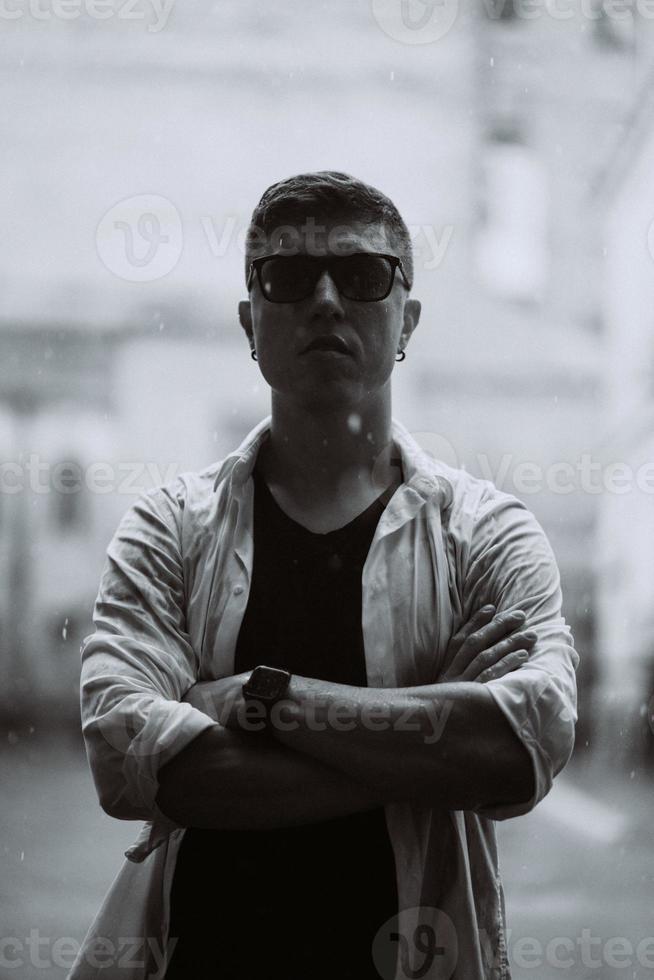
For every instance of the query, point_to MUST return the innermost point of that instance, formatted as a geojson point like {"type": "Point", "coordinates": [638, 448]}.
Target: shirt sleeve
{"type": "Point", "coordinates": [139, 662]}
{"type": "Point", "coordinates": [512, 566]}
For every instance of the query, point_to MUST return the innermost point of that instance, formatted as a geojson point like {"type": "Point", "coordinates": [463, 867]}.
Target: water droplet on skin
{"type": "Point", "coordinates": [354, 423]}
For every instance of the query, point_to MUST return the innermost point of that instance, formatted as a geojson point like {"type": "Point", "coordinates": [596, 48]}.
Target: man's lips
{"type": "Point", "coordinates": [331, 341]}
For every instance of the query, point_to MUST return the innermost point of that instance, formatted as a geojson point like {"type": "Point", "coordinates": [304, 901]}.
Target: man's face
{"type": "Point", "coordinates": [373, 332]}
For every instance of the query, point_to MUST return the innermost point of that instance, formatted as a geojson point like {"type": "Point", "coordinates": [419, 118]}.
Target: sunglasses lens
{"type": "Point", "coordinates": [364, 277]}
{"type": "Point", "coordinates": [287, 279]}
{"type": "Point", "coordinates": [290, 279]}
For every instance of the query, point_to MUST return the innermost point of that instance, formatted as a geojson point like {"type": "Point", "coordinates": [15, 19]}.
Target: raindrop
{"type": "Point", "coordinates": [64, 631]}
{"type": "Point", "coordinates": [354, 423]}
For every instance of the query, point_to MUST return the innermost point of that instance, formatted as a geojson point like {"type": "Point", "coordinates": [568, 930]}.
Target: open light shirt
{"type": "Point", "coordinates": [172, 597]}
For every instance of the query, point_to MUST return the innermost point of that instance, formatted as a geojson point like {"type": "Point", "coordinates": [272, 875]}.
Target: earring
{"type": "Point", "coordinates": [253, 354]}
{"type": "Point", "coordinates": [401, 355]}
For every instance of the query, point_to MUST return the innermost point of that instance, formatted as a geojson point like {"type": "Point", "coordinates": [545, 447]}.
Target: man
{"type": "Point", "coordinates": [280, 677]}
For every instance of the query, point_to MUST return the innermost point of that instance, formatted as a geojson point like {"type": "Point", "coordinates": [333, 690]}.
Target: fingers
{"type": "Point", "coordinates": [511, 662]}
{"type": "Point", "coordinates": [490, 657]}
{"type": "Point", "coordinates": [475, 623]}
{"type": "Point", "coordinates": [499, 627]}
{"type": "Point", "coordinates": [480, 633]}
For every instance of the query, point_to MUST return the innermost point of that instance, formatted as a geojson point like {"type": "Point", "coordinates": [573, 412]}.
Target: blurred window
{"type": "Point", "coordinates": [67, 493]}
{"type": "Point", "coordinates": [511, 248]}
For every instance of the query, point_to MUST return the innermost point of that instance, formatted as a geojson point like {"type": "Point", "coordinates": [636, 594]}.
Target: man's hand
{"type": "Point", "coordinates": [488, 646]}
{"type": "Point", "coordinates": [223, 701]}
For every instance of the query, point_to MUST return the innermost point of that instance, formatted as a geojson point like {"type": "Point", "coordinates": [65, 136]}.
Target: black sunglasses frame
{"type": "Point", "coordinates": [325, 261]}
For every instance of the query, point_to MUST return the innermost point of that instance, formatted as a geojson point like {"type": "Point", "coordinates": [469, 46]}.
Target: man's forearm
{"type": "Point", "coordinates": [229, 780]}
{"type": "Point", "coordinates": [443, 745]}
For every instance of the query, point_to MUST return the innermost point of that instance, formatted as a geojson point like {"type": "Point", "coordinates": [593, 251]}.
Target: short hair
{"type": "Point", "coordinates": [326, 194]}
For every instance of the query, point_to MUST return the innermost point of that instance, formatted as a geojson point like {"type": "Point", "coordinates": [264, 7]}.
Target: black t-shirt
{"type": "Point", "coordinates": [300, 903]}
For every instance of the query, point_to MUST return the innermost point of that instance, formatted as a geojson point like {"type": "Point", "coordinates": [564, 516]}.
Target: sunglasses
{"type": "Point", "coordinates": [363, 276]}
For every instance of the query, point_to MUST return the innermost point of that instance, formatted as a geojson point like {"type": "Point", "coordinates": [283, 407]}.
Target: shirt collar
{"type": "Point", "coordinates": [423, 475]}
{"type": "Point", "coordinates": [239, 464]}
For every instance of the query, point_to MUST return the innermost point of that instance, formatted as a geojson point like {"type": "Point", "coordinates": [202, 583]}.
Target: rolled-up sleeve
{"type": "Point", "coordinates": [139, 662]}
{"type": "Point", "coordinates": [512, 565]}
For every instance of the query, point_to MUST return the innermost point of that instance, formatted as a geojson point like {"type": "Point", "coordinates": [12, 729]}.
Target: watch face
{"type": "Point", "coordinates": [267, 683]}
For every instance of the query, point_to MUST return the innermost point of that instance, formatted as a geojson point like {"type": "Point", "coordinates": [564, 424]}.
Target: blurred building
{"type": "Point", "coordinates": [624, 196]}
{"type": "Point", "coordinates": [112, 359]}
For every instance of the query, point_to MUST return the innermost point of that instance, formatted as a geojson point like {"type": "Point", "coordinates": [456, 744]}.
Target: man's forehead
{"type": "Point", "coordinates": [313, 237]}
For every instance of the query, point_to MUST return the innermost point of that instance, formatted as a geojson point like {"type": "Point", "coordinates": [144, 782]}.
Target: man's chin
{"type": "Point", "coordinates": [327, 392]}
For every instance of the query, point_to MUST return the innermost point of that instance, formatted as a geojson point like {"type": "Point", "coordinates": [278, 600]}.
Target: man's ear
{"type": "Point", "coordinates": [412, 309]}
{"type": "Point", "coordinates": [245, 319]}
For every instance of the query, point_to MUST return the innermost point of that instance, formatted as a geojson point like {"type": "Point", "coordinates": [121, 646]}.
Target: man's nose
{"type": "Point", "coordinates": [326, 295]}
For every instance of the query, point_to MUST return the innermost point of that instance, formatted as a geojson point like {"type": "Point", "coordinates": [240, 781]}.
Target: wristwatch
{"type": "Point", "coordinates": [267, 685]}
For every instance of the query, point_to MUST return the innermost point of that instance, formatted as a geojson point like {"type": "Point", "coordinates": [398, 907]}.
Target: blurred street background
{"type": "Point", "coordinates": [516, 138]}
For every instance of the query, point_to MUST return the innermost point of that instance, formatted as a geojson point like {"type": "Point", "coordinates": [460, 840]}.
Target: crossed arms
{"type": "Point", "coordinates": [156, 747]}
{"type": "Point", "coordinates": [335, 749]}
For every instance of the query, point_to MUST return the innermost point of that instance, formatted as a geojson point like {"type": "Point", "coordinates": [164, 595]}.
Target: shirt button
{"type": "Point", "coordinates": [238, 589]}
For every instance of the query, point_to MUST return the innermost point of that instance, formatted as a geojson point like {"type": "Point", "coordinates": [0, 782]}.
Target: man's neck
{"type": "Point", "coordinates": [319, 458]}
